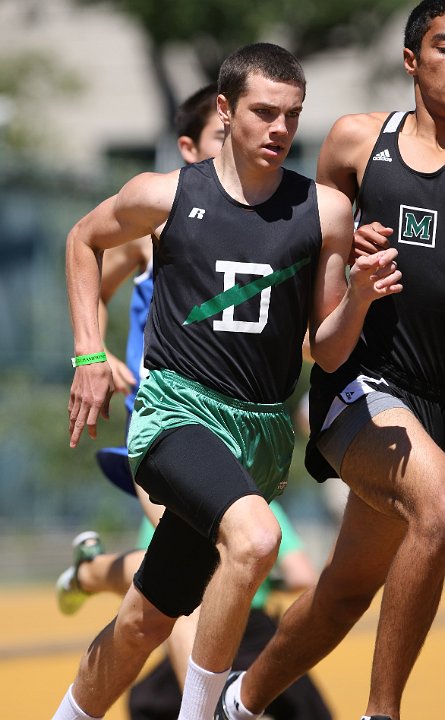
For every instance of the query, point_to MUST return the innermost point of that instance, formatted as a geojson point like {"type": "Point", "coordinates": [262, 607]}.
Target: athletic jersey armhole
{"type": "Point", "coordinates": [314, 193]}
{"type": "Point", "coordinates": [389, 126]}
{"type": "Point", "coordinates": [142, 277]}
{"type": "Point", "coordinates": [175, 202]}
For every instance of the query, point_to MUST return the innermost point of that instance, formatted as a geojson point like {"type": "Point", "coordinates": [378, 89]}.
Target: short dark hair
{"type": "Point", "coordinates": [419, 23]}
{"type": "Point", "coordinates": [271, 61]}
{"type": "Point", "coordinates": [192, 115]}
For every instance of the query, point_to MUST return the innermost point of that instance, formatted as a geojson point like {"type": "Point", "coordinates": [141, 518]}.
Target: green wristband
{"type": "Point", "coordinates": [88, 359]}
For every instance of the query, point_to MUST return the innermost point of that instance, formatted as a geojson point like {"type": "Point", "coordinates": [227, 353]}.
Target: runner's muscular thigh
{"type": "Point", "coordinates": [394, 465]}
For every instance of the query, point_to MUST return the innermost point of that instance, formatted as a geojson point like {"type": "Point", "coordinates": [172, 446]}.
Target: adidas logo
{"type": "Point", "coordinates": [384, 155]}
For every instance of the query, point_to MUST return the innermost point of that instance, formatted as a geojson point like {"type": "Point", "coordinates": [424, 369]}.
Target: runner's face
{"type": "Point", "coordinates": [211, 139]}
{"type": "Point", "coordinates": [430, 67]}
{"type": "Point", "coordinates": [265, 121]}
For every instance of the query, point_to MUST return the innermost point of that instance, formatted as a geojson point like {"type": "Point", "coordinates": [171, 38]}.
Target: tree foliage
{"type": "Point", "coordinates": [28, 82]}
{"type": "Point", "coordinates": [217, 27]}
{"type": "Point", "coordinates": [307, 26]}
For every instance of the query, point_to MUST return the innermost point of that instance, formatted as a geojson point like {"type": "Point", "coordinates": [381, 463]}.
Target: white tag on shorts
{"type": "Point", "coordinates": [350, 394]}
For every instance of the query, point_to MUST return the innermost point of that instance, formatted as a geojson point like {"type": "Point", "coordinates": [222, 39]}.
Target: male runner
{"type": "Point", "coordinates": [379, 420]}
{"type": "Point", "coordinates": [246, 253]}
{"type": "Point", "coordinates": [200, 135]}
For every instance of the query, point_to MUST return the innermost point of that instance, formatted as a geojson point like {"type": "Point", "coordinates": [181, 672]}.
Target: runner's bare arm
{"type": "Point", "coordinates": [341, 165]}
{"type": "Point", "coordinates": [140, 208]}
{"type": "Point", "coordinates": [339, 306]}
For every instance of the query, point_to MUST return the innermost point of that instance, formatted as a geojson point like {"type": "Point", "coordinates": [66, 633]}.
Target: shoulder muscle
{"type": "Point", "coordinates": [346, 149]}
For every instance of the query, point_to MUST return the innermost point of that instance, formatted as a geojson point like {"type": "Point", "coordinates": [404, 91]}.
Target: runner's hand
{"type": "Point", "coordinates": [375, 276]}
{"type": "Point", "coordinates": [90, 396]}
{"type": "Point", "coordinates": [369, 239]}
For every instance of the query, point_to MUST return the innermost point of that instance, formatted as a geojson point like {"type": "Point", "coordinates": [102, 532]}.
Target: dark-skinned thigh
{"type": "Point", "coordinates": [393, 464]}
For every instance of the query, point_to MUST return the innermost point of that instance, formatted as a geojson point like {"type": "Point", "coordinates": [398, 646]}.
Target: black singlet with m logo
{"type": "Point", "coordinates": [405, 333]}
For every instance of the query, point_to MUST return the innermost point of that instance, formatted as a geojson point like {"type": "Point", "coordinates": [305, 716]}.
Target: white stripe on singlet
{"type": "Point", "coordinates": [394, 122]}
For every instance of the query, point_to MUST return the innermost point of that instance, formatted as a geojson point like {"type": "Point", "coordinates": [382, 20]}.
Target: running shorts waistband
{"type": "Point", "coordinates": [197, 387]}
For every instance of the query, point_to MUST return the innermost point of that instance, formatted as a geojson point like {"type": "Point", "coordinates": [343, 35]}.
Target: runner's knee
{"type": "Point", "coordinates": [142, 622]}
{"type": "Point", "coordinates": [253, 549]}
{"type": "Point", "coordinates": [429, 521]}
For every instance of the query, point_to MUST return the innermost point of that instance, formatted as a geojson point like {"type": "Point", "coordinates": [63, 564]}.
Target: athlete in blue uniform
{"type": "Point", "coordinates": [210, 437]}
{"type": "Point", "coordinates": [200, 135]}
{"type": "Point", "coordinates": [379, 421]}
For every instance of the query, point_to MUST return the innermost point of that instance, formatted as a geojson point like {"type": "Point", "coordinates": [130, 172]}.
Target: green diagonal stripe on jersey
{"type": "Point", "coordinates": [238, 294]}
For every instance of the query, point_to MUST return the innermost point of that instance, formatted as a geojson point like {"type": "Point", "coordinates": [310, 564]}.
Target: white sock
{"type": "Point", "coordinates": [201, 692]}
{"type": "Point", "coordinates": [69, 709]}
{"type": "Point", "coordinates": [235, 707]}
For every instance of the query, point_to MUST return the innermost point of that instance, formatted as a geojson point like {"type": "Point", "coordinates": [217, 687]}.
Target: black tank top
{"type": "Point", "coordinates": [233, 286]}
{"type": "Point", "coordinates": [405, 333]}
{"type": "Point", "coordinates": [403, 336]}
